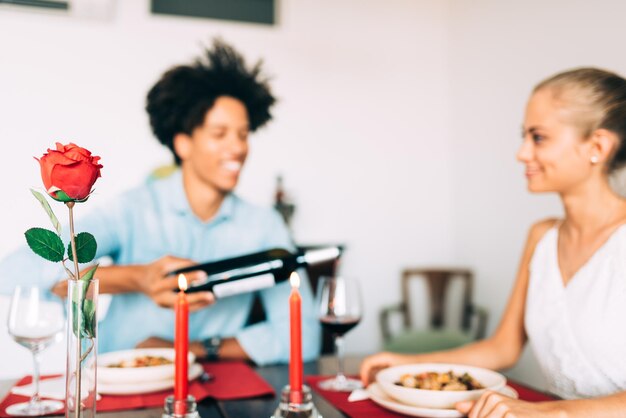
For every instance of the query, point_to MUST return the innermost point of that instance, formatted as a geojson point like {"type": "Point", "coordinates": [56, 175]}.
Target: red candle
{"type": "Point", "coordinates": [181, 341]}
{"type": "Point", "coordinates": [295, 322]}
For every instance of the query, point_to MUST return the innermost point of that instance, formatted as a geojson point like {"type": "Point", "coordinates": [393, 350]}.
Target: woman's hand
{"type": "Point", "coordinates": [373, 364]}
{"type": "Point", "coordinates": [495, 405]}
{"type": "Point", "coordinates": [160, 288]}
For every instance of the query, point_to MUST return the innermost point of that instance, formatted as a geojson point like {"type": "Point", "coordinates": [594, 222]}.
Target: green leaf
{"type": "Point", "coordinates": [45, 243]}
{"type": "Point", "coordinates": [86, 324]}
{"type": "Point", "coordinates": [85, 248]}
{"type": "Point", "coordinates": [48, 209]}
{"type": "Point", "coordinates": [83, 320]}
{"type": "Point", "coordinates": [89, 318]}
{"type": "Point", "coordinates": [77, 317]}
{"type": "Point", "coordinates": [88, 274]}
{"type": "Point", "coordinates": [61, 196]}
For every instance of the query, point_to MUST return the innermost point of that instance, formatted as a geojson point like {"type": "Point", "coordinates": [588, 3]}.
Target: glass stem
{"type": "Point", "coordinates": [34, 400]}
{"type": "Point", "coordinates": [339, 349]}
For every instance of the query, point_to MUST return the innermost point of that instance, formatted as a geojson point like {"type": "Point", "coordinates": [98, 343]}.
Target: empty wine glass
{"type": "Point", "coordinates": [35, 322]}
{"type": "Point", "coordinates": [339, 310]}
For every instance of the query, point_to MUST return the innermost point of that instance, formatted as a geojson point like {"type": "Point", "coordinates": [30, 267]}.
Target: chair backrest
{"type": "Point", "coordinates": [437, 283]}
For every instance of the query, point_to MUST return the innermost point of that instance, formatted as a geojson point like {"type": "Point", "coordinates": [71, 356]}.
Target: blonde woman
{"type": "Point", "coordinates": [569, 299]}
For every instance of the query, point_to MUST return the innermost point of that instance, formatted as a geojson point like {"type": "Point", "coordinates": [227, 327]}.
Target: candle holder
{"type": "Point", "coordinates": [296, 404]}
{"type": "Point", "coordinates": [186, 408]}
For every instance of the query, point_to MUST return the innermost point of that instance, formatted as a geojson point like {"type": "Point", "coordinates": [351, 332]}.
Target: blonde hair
{"type": "Point", "coordinates": [598, 100]}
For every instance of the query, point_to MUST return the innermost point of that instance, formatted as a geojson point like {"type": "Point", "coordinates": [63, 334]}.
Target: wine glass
{"type": "Point", "coordinates": [35, 322]}
{"type": "Point", "coordinates": [340, 310]}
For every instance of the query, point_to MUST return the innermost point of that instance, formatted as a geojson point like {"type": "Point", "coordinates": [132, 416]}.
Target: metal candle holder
{"type": "Point", "coordinates": [185, 408]}
{"type": "Point", "coordinates": [296, 404]}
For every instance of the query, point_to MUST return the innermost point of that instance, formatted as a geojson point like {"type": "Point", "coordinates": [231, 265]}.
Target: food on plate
{"type": "Point", "coordinates": [142, 361]}
{"type": "Point", "coordinates": [439, 381]}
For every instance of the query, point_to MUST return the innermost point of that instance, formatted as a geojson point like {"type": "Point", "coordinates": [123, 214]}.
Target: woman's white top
{"type": "Point", "coordinates": [578, 331]}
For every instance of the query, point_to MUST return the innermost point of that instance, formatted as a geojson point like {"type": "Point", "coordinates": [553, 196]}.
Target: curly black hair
{"type": "Point", "coordinates": [179, 101]}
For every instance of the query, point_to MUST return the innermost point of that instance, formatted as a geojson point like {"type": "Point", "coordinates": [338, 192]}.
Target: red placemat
{"type": "Point", "coordinates": [339, 400]}
{"type": "Point", "coordinates": [530, 394]}
{"type": "Point", "coordinates": [233, 380]}
{"type": "Point", "coordinates": [368, 408]}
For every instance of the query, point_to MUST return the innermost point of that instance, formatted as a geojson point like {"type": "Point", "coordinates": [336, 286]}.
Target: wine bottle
{"type": "Point", "coordinates": [251, 272]}
{"type": "Point", "coordinates": [282, 205]}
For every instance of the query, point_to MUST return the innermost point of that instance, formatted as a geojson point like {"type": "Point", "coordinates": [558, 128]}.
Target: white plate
{"type": "Point", "coordinates": [124, 375]}
{"type": "Point", "coordinates": [195, 370]}
{"type": "Point", "coordinates": [381, 398]}
{"type": "Point", "coordinates": [441, 399]}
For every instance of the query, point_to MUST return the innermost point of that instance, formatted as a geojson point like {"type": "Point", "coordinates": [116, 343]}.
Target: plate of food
{"type": "Point", "coordinates": [138, 365]}
{"type": "Point", "coordinates": [377, 395]}
{"type": "Point", "coordinates": [125, 388]}
{"type": "Point", "coordinates": [437, 385]}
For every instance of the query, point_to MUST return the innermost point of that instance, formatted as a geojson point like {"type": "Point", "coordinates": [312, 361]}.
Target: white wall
{"type": "Point", "coordinates": [360, 133]}
{"type": "Point", "coordinates": [500, 50]}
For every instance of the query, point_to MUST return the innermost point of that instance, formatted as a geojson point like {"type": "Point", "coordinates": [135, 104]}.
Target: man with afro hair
{"type": "Point", "coordinates": [202, 112]}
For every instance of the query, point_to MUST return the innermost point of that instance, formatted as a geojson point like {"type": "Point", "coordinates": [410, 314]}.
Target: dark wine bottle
{"type": "Point", "coordinates": [251, 272]}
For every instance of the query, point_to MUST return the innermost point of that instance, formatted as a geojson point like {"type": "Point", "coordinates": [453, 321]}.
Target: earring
{"type": "Point", "coordinates": [594, 159]}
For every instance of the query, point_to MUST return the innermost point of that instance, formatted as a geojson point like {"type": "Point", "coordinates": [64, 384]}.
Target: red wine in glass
{"type": "Point", "coordinates": [339, 310]}
{"type": "Point", "coordinates": [339, 325]}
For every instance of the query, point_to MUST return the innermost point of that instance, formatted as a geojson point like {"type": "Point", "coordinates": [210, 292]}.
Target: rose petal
{"type": "Point", "coordinates": [56, 157]}
{"type": "Point", "coordinates": [75, 148]}
{"type": "Point", "coordinates": [76, 155]}
{"type": "Point", "coordinates": [47, 163]}
{"type": "Point", "coordinates": [70, 169]}
{"type": "Point", "coordinates": [75, 180]}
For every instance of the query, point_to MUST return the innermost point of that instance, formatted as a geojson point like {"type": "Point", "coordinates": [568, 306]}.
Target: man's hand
{"type": "Point", "coordinates": [60, 288]}
{"type": "Point", "coordinates": [149, 279]}
{"type": "Point", "coordinates": [155, 342]}
{"type": "Point", "coordinates": [230, 349]}
{"type": "Point", "coordinates": [161, 289]}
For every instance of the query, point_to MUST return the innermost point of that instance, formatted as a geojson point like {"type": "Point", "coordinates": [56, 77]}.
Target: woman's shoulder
{"type": "Point", "coordinates": [539, 229]}
{"type": "Point", "coordinates": [536, 234]}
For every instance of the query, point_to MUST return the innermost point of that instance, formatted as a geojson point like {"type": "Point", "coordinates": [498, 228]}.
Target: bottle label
{"type": "Point", "coordinates": [321, 255]}
{"type": "Point", "coordinates": [248, 270]}
{"type": "Point", "coordinates": [249, 284]}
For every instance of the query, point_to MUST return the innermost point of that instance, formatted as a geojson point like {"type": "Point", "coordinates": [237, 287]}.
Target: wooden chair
{"type": "Point", "coordinates": [437, 336]}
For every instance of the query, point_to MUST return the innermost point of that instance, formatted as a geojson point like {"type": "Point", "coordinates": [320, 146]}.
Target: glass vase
{"type": "Point", "coordinates": [82, 327]}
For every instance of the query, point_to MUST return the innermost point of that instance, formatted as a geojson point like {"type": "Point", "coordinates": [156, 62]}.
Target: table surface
{"type": "Point", "coordinates": [276, 376]}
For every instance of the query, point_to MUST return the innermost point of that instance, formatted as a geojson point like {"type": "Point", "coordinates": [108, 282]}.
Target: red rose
{"type": "Point", "coordinates": [69, 169]}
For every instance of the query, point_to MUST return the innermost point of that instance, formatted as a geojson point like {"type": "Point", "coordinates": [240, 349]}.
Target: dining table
{"type": "Point", "coordinates": [276, 375]}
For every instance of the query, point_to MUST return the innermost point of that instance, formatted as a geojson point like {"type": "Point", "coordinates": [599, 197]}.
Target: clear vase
{"type": "Point", "coordinates": [80, 389]}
